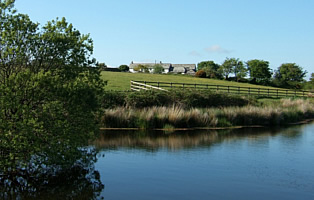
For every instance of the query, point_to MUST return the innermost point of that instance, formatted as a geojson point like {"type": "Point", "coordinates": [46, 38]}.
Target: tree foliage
{"type": "Point", "coordinates": [211, 68]}
{"type": "Point", "coordinates": [141, 68]}
{"type": "Point", "coordinates": [158, 69]}
{"type": "Point", "coordinates": [259, 70]}
{"type": "Point", "coordinates": [124, 68]}
{"type": "Point", "coordinates": [233, 65]}
{"type": "Point", "coordinates": [201, 74]}
{"type": "Point", "coordinates": [289, 75]}
{"type": "Point", "coordinates": [49, 94]}
{"type": "Point", "coordinates": [309, 85]}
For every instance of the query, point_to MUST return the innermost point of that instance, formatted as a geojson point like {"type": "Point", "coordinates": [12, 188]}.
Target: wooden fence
{"type": "Point", "coordinates": [267, 92]}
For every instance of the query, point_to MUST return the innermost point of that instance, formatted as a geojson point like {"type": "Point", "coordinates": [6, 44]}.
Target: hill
{"type": "Point", "coordinates": [121, 80]}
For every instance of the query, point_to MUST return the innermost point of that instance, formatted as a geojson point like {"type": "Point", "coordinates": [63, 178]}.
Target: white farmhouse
{"type": "Point", "coordinates": [168, 67]}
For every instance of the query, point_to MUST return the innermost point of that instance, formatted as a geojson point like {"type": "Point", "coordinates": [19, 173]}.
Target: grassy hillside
{"type": "Point", "coordinates": [121, 80]}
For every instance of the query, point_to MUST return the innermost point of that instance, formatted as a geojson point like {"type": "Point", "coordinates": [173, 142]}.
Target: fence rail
{"type": "Point", "coordinates": [148, 85]}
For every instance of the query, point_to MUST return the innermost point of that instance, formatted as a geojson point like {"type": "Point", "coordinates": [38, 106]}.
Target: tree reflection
{"type": "Point", "coordinates": [80, 181]}
{"type": "Point", "coordinates": [154, 140]}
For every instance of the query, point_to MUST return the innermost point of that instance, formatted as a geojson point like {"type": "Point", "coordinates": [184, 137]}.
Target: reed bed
{"type": "Point", "coordinates": [287, 111]}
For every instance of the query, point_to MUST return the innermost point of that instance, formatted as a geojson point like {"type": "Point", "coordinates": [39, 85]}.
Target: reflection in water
{"type": "Point", "coordinates": [255, 163]}
{"type": "Point", "coordinates": [153, 140]}
{"type": "Point", "coordinates": [238, 155]}
{"type": "Point", "coordinates": [81, 181]}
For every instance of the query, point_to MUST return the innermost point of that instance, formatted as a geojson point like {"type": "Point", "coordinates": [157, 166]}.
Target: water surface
{"type": "Point", "coordinates": [241, 164]}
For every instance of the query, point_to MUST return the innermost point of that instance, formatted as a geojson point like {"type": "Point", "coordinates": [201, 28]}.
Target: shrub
{"type": "Point", "coordinates": [184, 98]}
{"type": "Point", "coordinates": [124, 68]}
{"type": "Point", "coordinates": [207, 98]}
{"type": "Point", "coordinates": [112, 99]}
{"type": "Point", "coordinates": [200, 74]}
{"type": "Point", "coordinates": [147, 99]}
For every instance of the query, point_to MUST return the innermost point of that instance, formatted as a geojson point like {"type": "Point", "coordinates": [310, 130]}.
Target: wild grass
{"type": "Point", "coordinates": [287, 111]}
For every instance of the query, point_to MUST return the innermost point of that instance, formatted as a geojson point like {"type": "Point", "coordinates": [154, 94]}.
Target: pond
{"type": "Point", "coordinates": [255, 163]}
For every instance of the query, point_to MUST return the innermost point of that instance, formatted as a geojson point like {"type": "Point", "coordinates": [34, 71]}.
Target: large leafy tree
{"type": "Point", "coordinates": [49, 95]}
{"type": "Point", "coordinates": [289, 75]}
{"type": "Point", "coordinates": [233, 65]}
{"type": "Point", "coordinates": [259, 70]}
{"type": "Point", "coordinates": [211, 68]}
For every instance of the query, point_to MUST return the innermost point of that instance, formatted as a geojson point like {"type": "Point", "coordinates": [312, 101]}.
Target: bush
{"type": "Point", "coordinates": [184, 98]}
{"type": "Point", "coordinates": [124, 68]}
{"type": "Point", "coordinates": [112, 99]}
{"type": "Point", "coordinates": [147, 99]}
{"type": "Point", "coordinates": [200, 74]}
{"type": "Point", "coordinates": [207, 98]}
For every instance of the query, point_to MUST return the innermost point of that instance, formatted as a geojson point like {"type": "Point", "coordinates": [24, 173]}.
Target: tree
{"type": "Point", "coordinates": [312, 78]}
{"type": "Point", "coordinates": [49, 96]}
{"type": "Point", "coordinates": [233, 65]}
{"type": "Point", "coordinates": [141, 68]}
{"type": "Point", "coordinates": [309, 85]}
{"type": "Point", "coordinates": [211, 69]}
{"type": "Point", "coordinates": [124, 68]}
{"type": "Point", "coordinates": [102, 66]}
{"type": "Point", "coordinates": [158, 69]}
{"type": "Point", "coordinates": [259, 70]}
{"type": "Point", "coordinates": [289, 75]}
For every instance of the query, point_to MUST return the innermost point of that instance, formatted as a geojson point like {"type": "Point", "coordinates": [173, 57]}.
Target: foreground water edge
{"type": "Point", "coordinates": [254, 163]}
{"type": "Point", "coordinates": [246, 163]}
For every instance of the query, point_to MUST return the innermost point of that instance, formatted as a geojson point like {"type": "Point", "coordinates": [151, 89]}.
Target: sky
{"type": "Point", "coordinates": [188, 31]}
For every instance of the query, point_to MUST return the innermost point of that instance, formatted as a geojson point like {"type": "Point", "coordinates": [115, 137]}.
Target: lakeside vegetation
{"type": "Point", "coordinates": [149, 110]}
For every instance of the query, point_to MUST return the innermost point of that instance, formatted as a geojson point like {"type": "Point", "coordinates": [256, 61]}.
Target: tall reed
{"type": "Point", "coordinates": [286, 111]}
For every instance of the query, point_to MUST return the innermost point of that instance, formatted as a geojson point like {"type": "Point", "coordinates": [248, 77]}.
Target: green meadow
{"type": "Point", "coordinates": [121, 80]}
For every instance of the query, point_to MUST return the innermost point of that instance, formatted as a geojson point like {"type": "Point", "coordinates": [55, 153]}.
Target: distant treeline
{"type": "Point", "coordinates": [288, 75]}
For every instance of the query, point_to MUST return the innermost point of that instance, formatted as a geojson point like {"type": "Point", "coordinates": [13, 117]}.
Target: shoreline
{"type": "Point", "coordinates": [176, 118]}
{"type": "Point", "coordinates": [306, 121]}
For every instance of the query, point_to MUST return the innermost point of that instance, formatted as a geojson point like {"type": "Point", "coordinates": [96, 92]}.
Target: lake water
{"type": "Point", "coordinates": [254, 163]}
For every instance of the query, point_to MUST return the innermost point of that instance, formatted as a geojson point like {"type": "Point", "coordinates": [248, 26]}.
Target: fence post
{"type": "Point", "coordinates": [171, 85]}
{"type": "Point", "coordinates": [158, 84]}
{"type": "Point", "coordinates": [183, 85]}
{"type": "Point", "coordinates": [195, 85]}
{"type": "Point", "coordinates": [207, 86]}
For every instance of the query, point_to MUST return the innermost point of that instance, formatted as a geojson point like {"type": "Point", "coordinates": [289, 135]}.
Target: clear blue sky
{"type": "Point", "coordinates": [188, 31]}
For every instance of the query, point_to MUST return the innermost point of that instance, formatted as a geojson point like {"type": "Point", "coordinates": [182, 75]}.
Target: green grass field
{"type": "Point", "coordinates": [121, 80]}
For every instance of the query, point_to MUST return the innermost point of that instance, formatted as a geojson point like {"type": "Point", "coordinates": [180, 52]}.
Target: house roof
{"type": "Point", "coordinates": [178, 69]}
{"type": "Point", "coordinates": [150, 65]}
{"type": "Point", "coordinates": [186, 66]}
